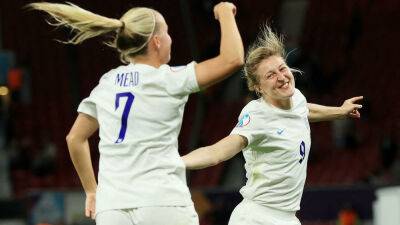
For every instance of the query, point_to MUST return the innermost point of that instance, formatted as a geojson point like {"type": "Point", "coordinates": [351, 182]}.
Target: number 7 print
{"type": "Point", "coordinates": [124, 119]}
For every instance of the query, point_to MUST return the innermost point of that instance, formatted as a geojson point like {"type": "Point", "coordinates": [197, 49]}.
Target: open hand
{"type": "Point", "coordinates": [350, 108]}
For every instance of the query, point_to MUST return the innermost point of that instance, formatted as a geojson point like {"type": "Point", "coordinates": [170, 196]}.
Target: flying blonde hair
{"type": "Point", "coordinates": [266, 45]}
{"type": "Point", "coordinates": [132, 31]}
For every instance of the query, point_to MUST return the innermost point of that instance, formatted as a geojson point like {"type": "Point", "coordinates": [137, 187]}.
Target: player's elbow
{"type": "Point", "coordinates": [216, 157]}
{"type": "Point", "coordinates": [72, 138]}
{"type": "Point", "coordinates": [69, 138]}
{"type": "Point", "coordinates": [236, 62]}
{"type": "Point", "coordinates": [231, 61]}
{"type": "Point", "coordinates": [215, 161]}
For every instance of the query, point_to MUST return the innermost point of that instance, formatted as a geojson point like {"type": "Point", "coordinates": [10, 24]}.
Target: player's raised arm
{"type": "Point", "coordinates": [231, 55]}
{"type": "Point", "coordinates": [214, 154]}
{"type": "Point", "coordinates": [327, 113]}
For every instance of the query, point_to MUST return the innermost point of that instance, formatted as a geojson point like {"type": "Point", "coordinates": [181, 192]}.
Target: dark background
{"type": "Point", "coordinates": [346, 48]}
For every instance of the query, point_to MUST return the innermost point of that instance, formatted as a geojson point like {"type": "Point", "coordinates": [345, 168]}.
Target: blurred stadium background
{"type": "Point", "coordinates": [345, 47]}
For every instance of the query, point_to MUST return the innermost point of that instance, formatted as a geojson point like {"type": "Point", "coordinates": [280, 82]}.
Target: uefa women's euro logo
{"type": "Point", "coordinates": [244, 120]}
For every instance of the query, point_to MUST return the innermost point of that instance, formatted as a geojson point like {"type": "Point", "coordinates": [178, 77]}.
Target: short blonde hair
{"type": "Point", "coordinates": [132, 31]}
{"type": "Point", "coordinates": [267, 44]}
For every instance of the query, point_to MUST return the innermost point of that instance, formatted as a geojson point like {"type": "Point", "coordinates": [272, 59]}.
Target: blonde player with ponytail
{"type": "Point", "coordinates": [138, 109]}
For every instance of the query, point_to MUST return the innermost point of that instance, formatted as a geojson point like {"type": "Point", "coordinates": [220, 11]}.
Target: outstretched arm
{"type": "Point", "coordinates": [216, 153]}
{"type": "Point", "coordinates": [231, 55]}
{"type": "Point", "coordinates": [327, 113]}
{"type": "Point", "coordinates": [79, 151]}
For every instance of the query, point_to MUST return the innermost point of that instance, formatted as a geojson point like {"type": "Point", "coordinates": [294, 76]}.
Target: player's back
{"type": "Point", "coordinates": [139, 109]}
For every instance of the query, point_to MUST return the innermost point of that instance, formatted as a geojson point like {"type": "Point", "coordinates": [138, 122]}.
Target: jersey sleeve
{"type": "Point", "coordinates": [183, 79]}
{"type": "Point", "coordinates": [250, 126]}
{"type": "Point", "coordinates": [300, 97]}
{"type": "Point", "coordinates": [88, 105]}
{"type": "Point", "coordinates": [301, 103]}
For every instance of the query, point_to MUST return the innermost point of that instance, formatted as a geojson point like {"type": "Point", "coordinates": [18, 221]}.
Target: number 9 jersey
{"type": "Point", "coordinates": [277, 152]}
{"type": "Point", "coordinates": [139, 109]}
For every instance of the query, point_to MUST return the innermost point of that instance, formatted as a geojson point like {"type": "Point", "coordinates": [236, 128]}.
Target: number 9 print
{"type": "Point", "coordinates": [302, 151]}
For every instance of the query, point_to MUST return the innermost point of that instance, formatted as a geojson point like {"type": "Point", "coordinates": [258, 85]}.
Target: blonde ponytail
{"type": "Point", "coordinates": [86, 24]}
{"type": "Point", "coordinates": [132, 32]}
{"type": "Point", "coordinates": [139, 26]}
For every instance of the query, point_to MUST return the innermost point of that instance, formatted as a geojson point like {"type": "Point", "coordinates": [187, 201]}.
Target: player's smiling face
{"type": "Point", "coordinates": [276, 81]}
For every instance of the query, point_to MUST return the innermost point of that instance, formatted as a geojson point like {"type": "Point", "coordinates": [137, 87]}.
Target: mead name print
{"type": "Point", "coordinates": [129, 79]}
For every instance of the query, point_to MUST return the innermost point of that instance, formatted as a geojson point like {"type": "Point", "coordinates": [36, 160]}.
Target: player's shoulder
{"type": "Point", "coordinates": [126, 70]}
{"type": "Point", "coordinates": [254, 107]}
{"type": "Point", "coordinates": [112, 72]}
{"type": "Point", "coordinates": [298, 94]}
{"type": "Point", "coordinates": [299, 98]}
{"type": "Point", "coordinates": [250, 113]}
{"type": "Point", "coordinates": [177, 69]}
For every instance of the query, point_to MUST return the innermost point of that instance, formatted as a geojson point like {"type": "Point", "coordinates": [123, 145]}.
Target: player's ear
{"type": "Point", "coordinates": [257, 89]}
{"type": "Point", "coordinates": [156, 41]}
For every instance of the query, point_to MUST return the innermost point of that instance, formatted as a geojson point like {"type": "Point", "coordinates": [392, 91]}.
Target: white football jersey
{"type": "Point", "coordinates": [277, 152]}
{"type": "Point", "coordinates": [139, 109]}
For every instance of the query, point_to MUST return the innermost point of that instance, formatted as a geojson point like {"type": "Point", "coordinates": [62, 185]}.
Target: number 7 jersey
{"type": "Point", "coordinates": [139, 109]}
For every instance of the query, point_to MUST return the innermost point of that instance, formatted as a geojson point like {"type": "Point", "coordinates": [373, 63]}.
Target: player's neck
{"type": "Point", "coordinates": [145, 59]}
{"type": "Point", "coordinates": [284, 104]}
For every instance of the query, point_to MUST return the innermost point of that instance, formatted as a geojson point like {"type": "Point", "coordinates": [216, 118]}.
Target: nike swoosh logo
{"type": "Point", "coordinates": [280, 131]}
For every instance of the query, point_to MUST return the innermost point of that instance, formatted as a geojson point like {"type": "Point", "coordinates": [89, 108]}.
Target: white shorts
{"type": "Point", "coordinates": [251, 213]}
{"type": "Point", "coordinates": [174, 215]}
